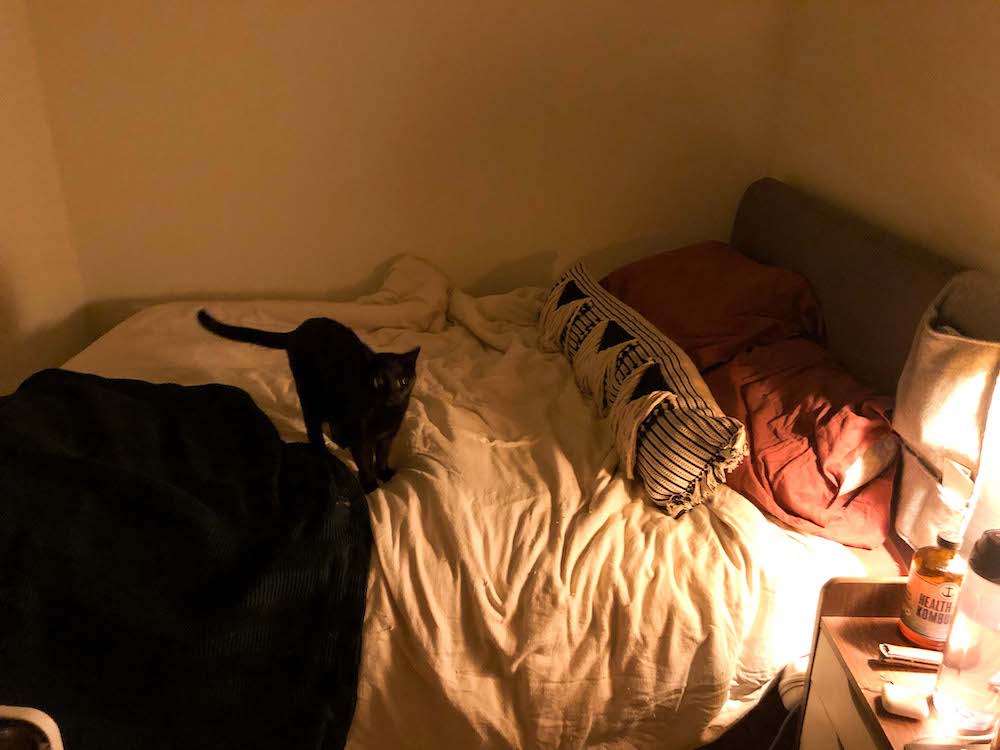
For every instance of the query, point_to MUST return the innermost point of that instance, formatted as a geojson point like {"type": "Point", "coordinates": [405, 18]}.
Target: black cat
{"type": "Point", "coordinates": [361, 394]}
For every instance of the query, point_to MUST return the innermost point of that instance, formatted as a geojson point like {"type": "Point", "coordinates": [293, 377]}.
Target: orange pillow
{"type": "Point", "coordinates": [715, 302]}
{"type": "Point", "coordinates": [808, 422]}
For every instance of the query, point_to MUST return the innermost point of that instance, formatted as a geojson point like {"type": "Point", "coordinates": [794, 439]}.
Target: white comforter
{"type": "Point", "coordinates": [522, 594]}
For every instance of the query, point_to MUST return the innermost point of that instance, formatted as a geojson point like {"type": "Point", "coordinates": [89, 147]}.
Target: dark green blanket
{"type": "Point", "coordinates": [173, 575]}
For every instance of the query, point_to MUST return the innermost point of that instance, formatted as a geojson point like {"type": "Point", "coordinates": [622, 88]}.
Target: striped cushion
{"type": "Point", "coordinates": [668, 429]}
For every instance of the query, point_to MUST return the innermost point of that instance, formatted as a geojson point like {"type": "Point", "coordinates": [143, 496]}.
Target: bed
{"type": "Point", "coordinates": [522, 592]}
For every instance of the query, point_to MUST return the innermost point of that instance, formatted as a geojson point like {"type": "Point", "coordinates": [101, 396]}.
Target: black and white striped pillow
{"type": "Point", "coordinates": [668, 429]}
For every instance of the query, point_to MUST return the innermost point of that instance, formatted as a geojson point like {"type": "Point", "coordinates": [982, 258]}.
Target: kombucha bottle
{"type": "Point", "coordinates": [936, 574]}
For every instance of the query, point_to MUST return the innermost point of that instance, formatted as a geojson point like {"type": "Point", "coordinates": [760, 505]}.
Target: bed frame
{"type": "Point", "coordinates": [861, 274]}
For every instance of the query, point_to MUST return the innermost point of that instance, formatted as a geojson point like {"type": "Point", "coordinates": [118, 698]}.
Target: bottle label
{"type": "Point", "coordinates": [929, 606]}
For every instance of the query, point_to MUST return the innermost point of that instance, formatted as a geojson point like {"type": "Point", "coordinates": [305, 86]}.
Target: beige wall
{"type": "Point", "coordinates": [893, 109]}
{"type": "Point", "coordinates": [41, 294]}
{"type": "Point", "coordinates": [288, 148]}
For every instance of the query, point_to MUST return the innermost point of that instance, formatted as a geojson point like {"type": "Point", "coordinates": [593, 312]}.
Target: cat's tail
{"type": "Point", "coordinates": [270, 339]}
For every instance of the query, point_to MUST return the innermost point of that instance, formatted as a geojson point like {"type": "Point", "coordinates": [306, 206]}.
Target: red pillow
{"type": "Point", "coordinates": [807, 421]}
{"type": "Point", "coordinates": [715, 302]}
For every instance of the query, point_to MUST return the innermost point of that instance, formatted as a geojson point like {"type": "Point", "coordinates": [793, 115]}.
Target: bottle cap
{"type": "Point", "coordinates": [949, 539]}
{"type": "Point", "coordinates": [985, 558]}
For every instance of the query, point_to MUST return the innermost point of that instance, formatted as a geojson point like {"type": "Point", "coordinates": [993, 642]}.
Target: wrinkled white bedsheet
{"type": "Point", "coordinates": [522, 594]}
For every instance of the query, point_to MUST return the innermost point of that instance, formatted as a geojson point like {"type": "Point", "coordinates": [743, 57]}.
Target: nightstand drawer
{"type": "Point", "coordinates": [832, 690]}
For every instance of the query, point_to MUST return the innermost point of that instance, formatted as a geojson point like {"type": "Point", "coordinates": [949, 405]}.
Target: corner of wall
{"type": "Point", "coordinates": [42, 299]}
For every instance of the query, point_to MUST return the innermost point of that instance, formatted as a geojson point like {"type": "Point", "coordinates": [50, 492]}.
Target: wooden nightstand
{"type": "Point", "coordinates": [843, 710]}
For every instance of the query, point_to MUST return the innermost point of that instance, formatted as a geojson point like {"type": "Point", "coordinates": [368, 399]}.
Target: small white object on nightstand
{"type": "Point", "coordinates": [903, 701]}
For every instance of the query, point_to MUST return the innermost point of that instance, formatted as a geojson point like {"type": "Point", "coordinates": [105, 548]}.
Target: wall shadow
{"type": "Point", "coordinates": [537, 269]}
{"type": "Point", "coordinates": [105, 314]}
{"type": "Point", "coordinates": [603, 261]}
{"type": "Point", "coordinates": [542, 268]}
{"type": "Point", "coordinates": [47, 346]}
{"type": "Point", "coordinates": [368, 285]}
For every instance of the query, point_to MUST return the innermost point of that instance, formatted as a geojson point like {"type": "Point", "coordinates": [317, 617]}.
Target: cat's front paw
{"type": "Point", "coordinates": [385, 474]}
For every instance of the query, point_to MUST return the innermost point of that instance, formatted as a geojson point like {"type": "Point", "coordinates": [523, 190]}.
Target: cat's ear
{"type": "Point", "coordinates": [410, 358]}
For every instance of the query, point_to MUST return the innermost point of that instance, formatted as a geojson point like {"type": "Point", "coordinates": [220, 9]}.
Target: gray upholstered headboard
{"type": "Point", "coordinates": [873, 287]}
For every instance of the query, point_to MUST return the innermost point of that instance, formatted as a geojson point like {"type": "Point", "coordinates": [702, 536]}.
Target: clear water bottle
{"type": "Point", "coordinates": [967, 694]}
